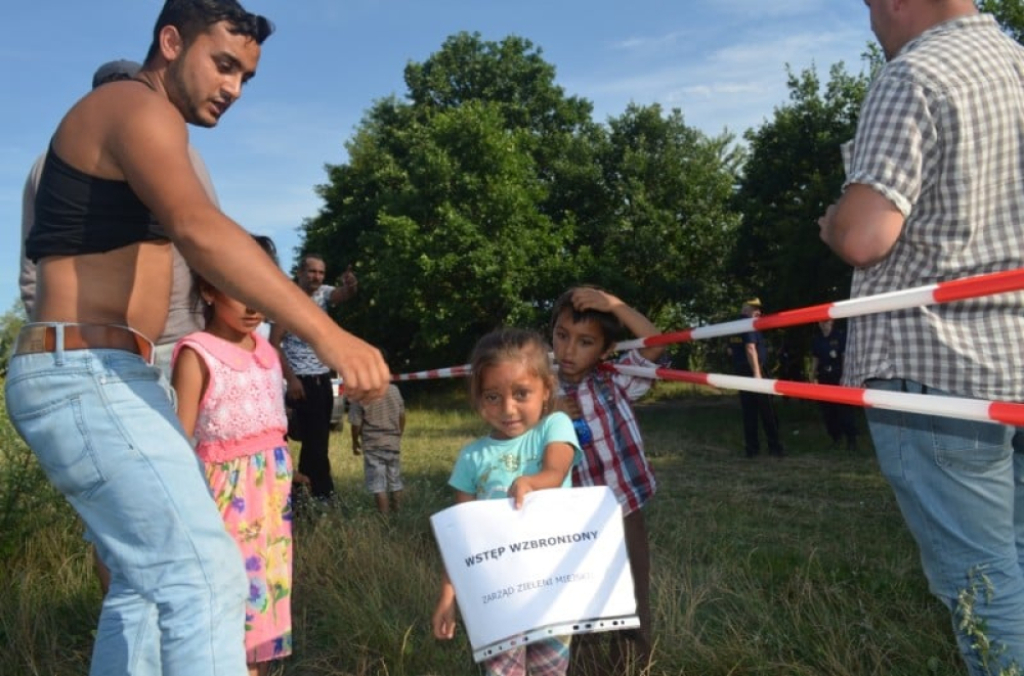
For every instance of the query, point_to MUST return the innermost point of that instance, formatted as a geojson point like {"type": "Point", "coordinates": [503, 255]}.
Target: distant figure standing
{"type": "Point", "coordinates": [377, 429]}
{"type": "Point", "coordinates": [749, 354]}
{"type": "Point", "coordinates": [310, 393]}
{"type": "Point", "coordinates": [828, 346]}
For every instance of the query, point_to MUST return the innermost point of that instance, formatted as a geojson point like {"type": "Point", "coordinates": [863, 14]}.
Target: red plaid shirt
{"type": "Point", "coordinates": [615, 456]}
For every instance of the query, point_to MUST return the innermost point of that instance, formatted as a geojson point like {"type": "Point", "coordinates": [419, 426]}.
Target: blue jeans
{"type": "Point", "coordinates": [960, 487]}
{"type": "Point", "coordinates": [103, 427]}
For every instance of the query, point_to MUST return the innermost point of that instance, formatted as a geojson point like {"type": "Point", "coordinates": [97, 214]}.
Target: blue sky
{"type": "Point", "coordinates": [722, 62]}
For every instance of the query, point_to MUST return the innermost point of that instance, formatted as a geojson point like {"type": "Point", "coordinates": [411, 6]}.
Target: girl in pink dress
{"type": "Point", "coordinates": [230, 400]}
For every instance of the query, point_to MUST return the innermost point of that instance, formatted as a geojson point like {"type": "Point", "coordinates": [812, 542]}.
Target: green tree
{"type": "Point", "coordinates": [670, 223]}
{"type": "Point", "coordinates": [1009, 14]}
{"type": "Point", "coordinates": [476, 199]}
{"type": "Point", "coordinates": [457, 206]}
{"type": "Point", "coordinates": [10, 324]}
{"type": "Point", "coordinates": [793, 173]}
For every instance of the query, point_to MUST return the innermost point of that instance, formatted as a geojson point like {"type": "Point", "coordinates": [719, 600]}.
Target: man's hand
{"type": "Point", "coordinates": [862, 227]}
{"type": "Point", "coordinates": [295, 390]}
{"type": "Point", "coordinates": [358, 363]}
{"type": "Point", "coordinates": [346, 287]}
{"type": "Point", "coordinates": [348, 278]}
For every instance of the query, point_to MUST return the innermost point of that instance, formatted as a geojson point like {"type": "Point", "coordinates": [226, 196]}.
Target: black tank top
{"type": "Point", "coordinates": [81, 214]}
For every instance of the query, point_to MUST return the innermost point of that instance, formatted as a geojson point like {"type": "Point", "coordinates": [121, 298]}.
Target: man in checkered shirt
{"type": "Point", "coordinates": [935, 192]}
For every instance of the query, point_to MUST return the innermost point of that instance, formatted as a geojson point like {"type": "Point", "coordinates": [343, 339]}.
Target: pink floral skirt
{"type": "Point", "coordinates": [253, 494]}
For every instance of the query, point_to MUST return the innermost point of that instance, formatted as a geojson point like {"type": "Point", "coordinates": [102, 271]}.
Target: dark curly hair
{"type": "Point", "coordinates": [192, 17]}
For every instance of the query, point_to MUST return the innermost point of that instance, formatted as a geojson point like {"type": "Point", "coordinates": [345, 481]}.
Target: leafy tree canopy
{"type": "Point", "coordinates": [474, 201]}
{"type": "Point", "coordinates": [1009, 14]}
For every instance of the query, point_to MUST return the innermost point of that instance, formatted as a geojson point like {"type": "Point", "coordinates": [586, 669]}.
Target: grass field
{"type": "Point", "coordinates": [794, 567]}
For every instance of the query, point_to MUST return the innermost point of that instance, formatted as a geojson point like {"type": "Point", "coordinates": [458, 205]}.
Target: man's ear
{"type": "Point", "coordinates": [171, 43]}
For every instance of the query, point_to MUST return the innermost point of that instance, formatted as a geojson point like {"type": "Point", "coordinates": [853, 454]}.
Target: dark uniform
{"type": "Point", "coordinates": [839, 418]}
{"type": "Point", "coordinates": [755, 405]}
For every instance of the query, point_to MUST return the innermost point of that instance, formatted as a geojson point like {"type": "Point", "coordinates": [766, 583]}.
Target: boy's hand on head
{"type": "Point", "coordinates": [585, 298]}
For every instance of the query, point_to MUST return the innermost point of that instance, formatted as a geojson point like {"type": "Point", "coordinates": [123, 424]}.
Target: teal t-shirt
{"type": "Point", "coordinates": [487, 467]}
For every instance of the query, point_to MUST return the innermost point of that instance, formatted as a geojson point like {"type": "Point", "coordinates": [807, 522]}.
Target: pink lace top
{"type": "Point", "coordinates": [242, 410]}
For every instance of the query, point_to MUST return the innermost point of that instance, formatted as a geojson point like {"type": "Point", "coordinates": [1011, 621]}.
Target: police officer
{"type": "Point", "coordinates": [748, 356]}
{"type": "Point", "coordinates": [827, 350]}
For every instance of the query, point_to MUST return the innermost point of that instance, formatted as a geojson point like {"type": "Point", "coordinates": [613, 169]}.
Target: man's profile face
{"type": "Point", "coordinates": [311, 274]}
{"type": "Point", "coordinates": [207, 75]}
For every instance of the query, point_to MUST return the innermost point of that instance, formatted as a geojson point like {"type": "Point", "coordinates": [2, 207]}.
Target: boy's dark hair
{"type": "Point", "coordinates": [192, 17]}
{"type": "Point", "coordinates": [612, 330]}
{"type": "Point", "coordinates": [511, 344]}
{"type": "Point", "coordinates": [196, 294]}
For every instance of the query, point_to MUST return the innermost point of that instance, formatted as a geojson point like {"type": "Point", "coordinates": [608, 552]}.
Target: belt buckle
{"type": "Point", "coordinates": [33, 339]}
{"type": "Point", "coordinates": [36, 341]}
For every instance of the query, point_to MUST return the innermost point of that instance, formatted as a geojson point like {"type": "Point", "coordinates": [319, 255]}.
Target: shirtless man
{"type": "Point", "coordinates": [81, 389]}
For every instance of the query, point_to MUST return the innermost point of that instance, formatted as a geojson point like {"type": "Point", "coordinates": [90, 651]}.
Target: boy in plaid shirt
{"type": "Point", "coordinates": [586, 323]}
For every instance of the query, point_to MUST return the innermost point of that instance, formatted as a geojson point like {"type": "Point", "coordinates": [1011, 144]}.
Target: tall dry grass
{"type": "Point", "coordinates": [799, 567]}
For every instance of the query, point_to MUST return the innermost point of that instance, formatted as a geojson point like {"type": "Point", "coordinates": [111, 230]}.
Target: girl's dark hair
{"type": "Point", "coordinates": [192, 17]}
{"type": "Point", "coordinates": [509, 344]}
{"type": "Point", "coordinates": [612, 330]}
{"type": "Point", "coordinates": [196, 293]}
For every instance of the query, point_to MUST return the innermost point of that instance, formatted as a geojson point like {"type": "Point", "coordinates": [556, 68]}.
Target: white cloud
{"type": "Point", "coordinates": [735, 85]}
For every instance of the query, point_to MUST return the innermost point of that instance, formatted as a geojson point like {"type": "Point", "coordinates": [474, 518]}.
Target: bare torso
{"type": "Point", "coordinates": [129, 286]}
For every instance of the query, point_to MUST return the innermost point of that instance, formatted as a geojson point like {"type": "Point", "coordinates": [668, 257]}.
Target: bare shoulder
{"type": "Point", "coordinates": [115, 118]}
{"type": "Point", "coordinates": [140, 116]}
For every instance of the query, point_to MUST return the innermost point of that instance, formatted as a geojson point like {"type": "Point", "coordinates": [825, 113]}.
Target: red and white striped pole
{"type": "Point", "coordinates": [1007, 413]}
{"type": "Point", "coordinates": [951, 407]}
{"type": "Point", "coordinates": [931, 294]}
{"type": "Point", "coordinates": [432, 374]}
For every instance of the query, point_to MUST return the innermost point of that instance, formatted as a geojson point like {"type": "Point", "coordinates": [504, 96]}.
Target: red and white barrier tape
{"type": "Point", "coordinates": [1006, 413]}
{"type": "Point", "coordinates": [930, 294]}
{"type": "Point", "coordinates": [951, 407]}
{"type": "Point", "coordinates": [450, 372]}
{"type": "Point", "coordinates": [943, 292]}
